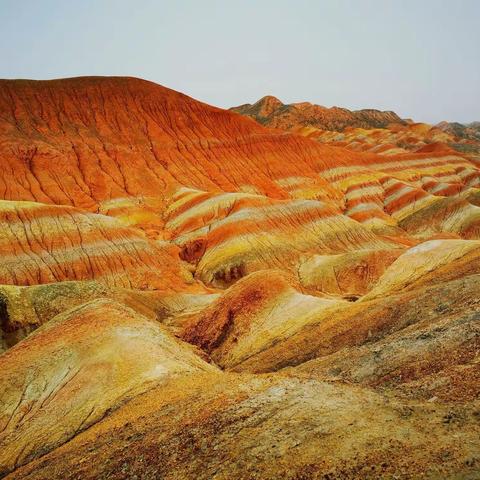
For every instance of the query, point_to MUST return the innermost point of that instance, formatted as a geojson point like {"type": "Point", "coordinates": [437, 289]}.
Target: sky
{"type": "Point", "coordinates": [420, 58]}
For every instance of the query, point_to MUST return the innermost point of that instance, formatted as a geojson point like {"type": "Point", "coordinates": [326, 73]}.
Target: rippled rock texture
{"type": "Point", "coordinates": [188, 294]}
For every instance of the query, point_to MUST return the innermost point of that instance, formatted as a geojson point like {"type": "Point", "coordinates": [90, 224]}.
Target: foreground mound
{"type": "Point", "coordinates": [268, 427]}
{"type": "Point", "coordinates": [75, 369]}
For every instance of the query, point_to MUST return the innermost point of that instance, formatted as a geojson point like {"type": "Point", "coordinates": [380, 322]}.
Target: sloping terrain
{"type": "Point", "coordinates": [271, 112]}
{"type": "Point", "coordinates": [86, 140]}
{"type": "Point", "coordinates": [269, 427]}
{"type": "Point", "coordinates": [48, 243]}
{"type": "Point", "coordinates": [187, 294]}
{"type": "Point", "coordinates": [371, 130]}
{"type": "Point", "coordinates": [84, 362]}
{"type": "Point", "coordinates": [469, 131]}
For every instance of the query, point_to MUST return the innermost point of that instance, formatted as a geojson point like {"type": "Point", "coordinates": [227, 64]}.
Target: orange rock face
{"type": "Point", "coordinates": [186, 293]}
{"type": "Point", "coordinates": [85, 140]}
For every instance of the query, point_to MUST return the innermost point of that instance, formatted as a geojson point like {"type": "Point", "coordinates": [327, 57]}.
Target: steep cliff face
{"type": "Point", "coordinates": [157, 254]}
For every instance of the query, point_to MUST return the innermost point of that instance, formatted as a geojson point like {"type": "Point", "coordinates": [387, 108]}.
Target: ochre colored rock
{"type": "Point", "coordinates": [258, 311]}
{"type": "Point", "coordinates": [269, 427]}
{"type": "Point", "coordinates": [23, 309]}
{"type": "Point", "coordinates": [435, 357]}
{"type": "Point", "coordinates": [428, 262]}
{"type": "Point", "coordinates": [78, 367]}
{"type": "Point", "coordinates": [349, 325]}
{"type": "Point", "coordinates": [348, 274]}
{"type": "Point", "coordinates": [186, 293]}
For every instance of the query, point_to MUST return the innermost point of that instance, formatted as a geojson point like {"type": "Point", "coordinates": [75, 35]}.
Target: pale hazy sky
{"type": "Point", "coordinates": [420, 58]}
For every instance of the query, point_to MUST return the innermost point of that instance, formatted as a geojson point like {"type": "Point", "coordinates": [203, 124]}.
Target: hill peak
{"type": "Point", "coordinates": [271, 112]}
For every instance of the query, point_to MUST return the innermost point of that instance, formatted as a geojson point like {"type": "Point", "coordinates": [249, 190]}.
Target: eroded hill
{"type": "Point", "coordinates": [188, 294]}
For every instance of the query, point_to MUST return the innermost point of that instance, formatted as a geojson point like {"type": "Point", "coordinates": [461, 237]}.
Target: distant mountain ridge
{"type": "Point", "coordinates": [271, 112]}
{"type": "Point", "coordinates": [381, 132]}
{"type": "Point", "coordinates": [468, 131]}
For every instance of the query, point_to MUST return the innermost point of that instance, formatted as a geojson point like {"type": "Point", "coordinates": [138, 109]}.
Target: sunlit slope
{"type": "Point", "coordinates": [187, 294]}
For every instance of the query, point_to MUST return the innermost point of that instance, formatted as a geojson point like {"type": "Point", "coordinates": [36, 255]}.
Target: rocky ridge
{"type": "Point", "coordinates": [371, 130]}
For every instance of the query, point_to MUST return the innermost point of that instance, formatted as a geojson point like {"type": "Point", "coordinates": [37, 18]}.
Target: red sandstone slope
{"type": "Point", "coordinates": [162, 162]}
{"type": "Point", "coordinates": [83, 140]}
